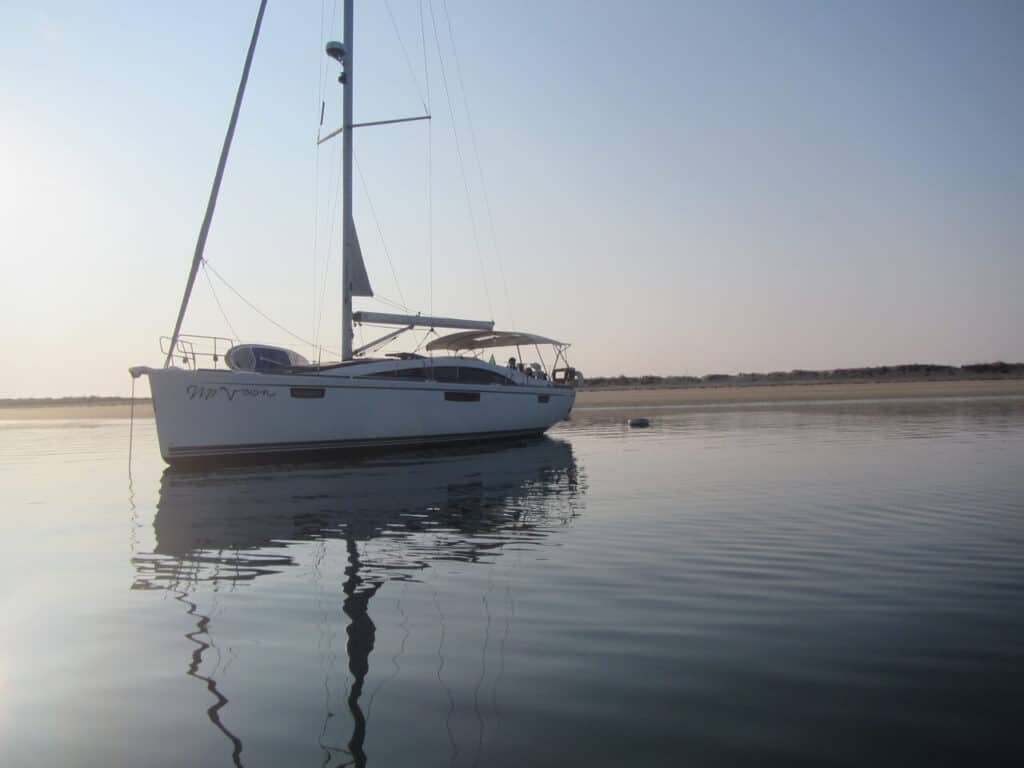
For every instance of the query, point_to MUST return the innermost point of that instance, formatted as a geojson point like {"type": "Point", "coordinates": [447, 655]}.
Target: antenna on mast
{"type": "Point", "coordinates": [336, 51]}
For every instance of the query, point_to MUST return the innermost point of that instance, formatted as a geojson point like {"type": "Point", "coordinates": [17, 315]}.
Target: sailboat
{"type": "Point", "coordinates": [269, 400]}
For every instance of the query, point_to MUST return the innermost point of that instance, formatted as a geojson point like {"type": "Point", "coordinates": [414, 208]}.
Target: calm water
{"type": "Point", "coordinates": [807, 584]}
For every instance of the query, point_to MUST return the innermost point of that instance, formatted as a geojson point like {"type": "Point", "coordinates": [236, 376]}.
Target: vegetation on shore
{"type": "Point", "coordinates": [910, 372]}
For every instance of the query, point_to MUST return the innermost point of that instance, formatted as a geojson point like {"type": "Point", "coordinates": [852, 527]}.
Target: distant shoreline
{"type": "Point", "coordinates": [738, 394]}
{"type": "Point", "coordinates": [609, 396]}
{"type": "Point", "coordinates": [69, 402]}
{"type": "Point", "coordinates": [980, 374]}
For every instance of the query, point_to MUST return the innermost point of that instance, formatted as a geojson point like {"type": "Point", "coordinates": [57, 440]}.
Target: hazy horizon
{"type": "Point", "coordinates": [675, 188]}
{"type": "Point", "coordinates": [105, 396]}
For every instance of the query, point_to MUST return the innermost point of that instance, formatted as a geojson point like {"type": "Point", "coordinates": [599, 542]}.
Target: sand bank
{"type": "Point", "coordinates": [49, 412]}
{"type": "Point", "coordinates": [611, 398]}
{"type": "Point", "coordinates": [724, 395]}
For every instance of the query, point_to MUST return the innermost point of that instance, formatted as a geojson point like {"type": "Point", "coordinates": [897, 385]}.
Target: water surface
{"type": "Point", "coordinates": [828, 583]}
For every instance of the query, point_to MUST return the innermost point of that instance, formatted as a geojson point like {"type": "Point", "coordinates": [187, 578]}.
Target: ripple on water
{"type": "Point", "coordinates": [795, 583]}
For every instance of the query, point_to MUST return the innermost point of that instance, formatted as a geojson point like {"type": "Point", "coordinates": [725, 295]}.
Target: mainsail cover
{"type": "Point", "coordinates": [358, 278]}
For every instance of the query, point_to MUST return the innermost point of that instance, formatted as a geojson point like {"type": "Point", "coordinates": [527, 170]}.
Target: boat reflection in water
{"type": "Point", "coordinates": [220, 530]}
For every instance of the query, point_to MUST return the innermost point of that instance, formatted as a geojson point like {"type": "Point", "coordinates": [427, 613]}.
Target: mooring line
{"type": "Point", "coordinates": [131, 432]}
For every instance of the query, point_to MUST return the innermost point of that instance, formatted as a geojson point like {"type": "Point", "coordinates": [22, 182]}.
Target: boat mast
{"type": "Point", "coordinates": [348, 227]}
{"type": "Point", "coordinates": [204, 230]}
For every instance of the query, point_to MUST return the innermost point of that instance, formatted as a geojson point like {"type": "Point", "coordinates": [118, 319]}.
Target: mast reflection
{"type": "Point", "coordinates": [224, 528]}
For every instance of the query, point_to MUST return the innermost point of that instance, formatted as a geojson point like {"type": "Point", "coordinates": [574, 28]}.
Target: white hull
{"type": "Point", "coordinates": [210, 414]}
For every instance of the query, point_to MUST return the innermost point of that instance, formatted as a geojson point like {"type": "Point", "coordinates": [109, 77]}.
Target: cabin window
{"type": "Point", "coordinates": [419, 372]}
{"type": "Point", "coordinates": [307, 393]}
{"type": "Point", "coordinates": [462, 397]}
{"type": "Point", "coordinates": [469, 375]}
{"type": "Point", "coordinates": [464, 374]}
{"type": "Point", "coordinates": [445, 373]}
{"type": "Point", "coordinates": [268, 359]}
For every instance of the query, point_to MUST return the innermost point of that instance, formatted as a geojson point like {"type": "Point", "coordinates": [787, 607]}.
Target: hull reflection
{"type": "Point", "coordinates": [227, 527]}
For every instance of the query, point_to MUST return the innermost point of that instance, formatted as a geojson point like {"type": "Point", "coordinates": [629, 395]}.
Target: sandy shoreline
{"type": "Point", "coordinates": [639, 397]}
{"type": "Point", "coordinates": [724, 395]}
{"type": "Point", "coordinates": [84, 412]}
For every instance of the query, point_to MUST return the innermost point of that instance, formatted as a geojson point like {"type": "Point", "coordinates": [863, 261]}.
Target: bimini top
{"type": "Point", "coordinates": [488, 339]}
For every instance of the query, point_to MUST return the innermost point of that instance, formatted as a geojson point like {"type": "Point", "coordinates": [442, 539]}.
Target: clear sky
{"type": "Point", "coordinates": [675, 187]}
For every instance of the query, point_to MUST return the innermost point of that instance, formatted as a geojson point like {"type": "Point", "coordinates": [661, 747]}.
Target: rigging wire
{"type": "Point", "coordinates": [426, 335]}
{"type": "Point", "coordinates": [405, 53]}
{"type": "Point", "coordinates": [321, 66]}
{"type": "Point", "coordinates": [391, 302]}
{"type": "Point", "coordinates": [380, 231]}
{"type": "Point", "coordinates": [320, 305]}
{"type": "Point", "coordinates": [430, 166]}
{"type": "Point", "coordinates": [327, 257]}
{"type": "Point", "coordinates": [327, 263]}
{"type": "Point", "coordinates": [316, 231]}
{"type": "Point", "coordinates": [257, 310]}
{"type": "Point", "coordinates": [234, 334]}
{"type": "Point", "coordinates": [476, 158]}
{"type": "Point", "coordinates": [462, 164]}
